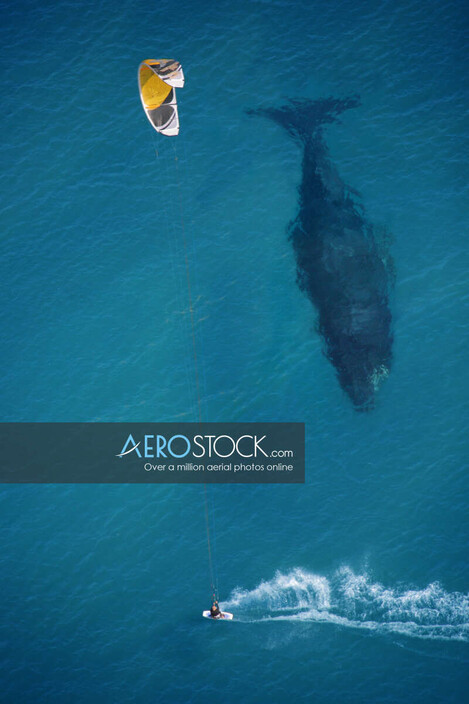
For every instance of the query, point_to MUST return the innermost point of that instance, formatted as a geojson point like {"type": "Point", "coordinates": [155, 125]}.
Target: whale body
{"type": "Point", "coordinates": [341, 265]}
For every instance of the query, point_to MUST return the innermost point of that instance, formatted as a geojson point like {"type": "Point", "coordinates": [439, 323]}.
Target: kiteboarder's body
{"type": "Point", "coordinates": [215, 611]}
{"type": "Point", "coordinates": [216, 614]}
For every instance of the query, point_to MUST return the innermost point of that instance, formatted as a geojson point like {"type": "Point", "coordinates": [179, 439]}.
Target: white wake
{"type": "Point", "coordinates": [354, 600]}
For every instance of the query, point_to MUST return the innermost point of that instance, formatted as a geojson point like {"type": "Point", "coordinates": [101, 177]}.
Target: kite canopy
{"type": "Point", "coordinates": [157, 80]}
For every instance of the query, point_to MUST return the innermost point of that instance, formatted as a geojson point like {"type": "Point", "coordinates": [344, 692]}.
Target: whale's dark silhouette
{"type": "Point", "coordinates": [340, 262]}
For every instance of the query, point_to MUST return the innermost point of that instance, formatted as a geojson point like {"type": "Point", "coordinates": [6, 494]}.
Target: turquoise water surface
{"type": "Point", "coordinates": [351, 588]}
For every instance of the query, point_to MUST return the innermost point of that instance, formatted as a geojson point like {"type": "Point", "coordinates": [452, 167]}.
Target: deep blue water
{"type": "Point", "coordinates": [351, 588]}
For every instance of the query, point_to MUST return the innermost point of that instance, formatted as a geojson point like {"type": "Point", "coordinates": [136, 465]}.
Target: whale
{"type": "Point", "coordinates": [342, 260]}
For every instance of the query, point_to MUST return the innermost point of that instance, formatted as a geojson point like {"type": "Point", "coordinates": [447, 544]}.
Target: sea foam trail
{"type": "Point", "coordinates": [354, 600]}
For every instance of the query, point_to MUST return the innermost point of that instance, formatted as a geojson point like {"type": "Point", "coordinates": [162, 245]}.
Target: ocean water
{"type": "Point", "coordinates": [350, 588]}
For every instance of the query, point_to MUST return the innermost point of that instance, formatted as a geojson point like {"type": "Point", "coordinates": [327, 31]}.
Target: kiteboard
{"type": "Point", "coordinates": [224, 615]}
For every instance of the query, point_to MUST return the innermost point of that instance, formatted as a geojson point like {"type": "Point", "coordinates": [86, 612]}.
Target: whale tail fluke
{"type": "Point", "coordinates": [304, 118]}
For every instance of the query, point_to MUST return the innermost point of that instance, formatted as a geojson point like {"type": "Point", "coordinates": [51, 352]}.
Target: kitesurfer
{"type": "Point", "coordinates": [215, 611]}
